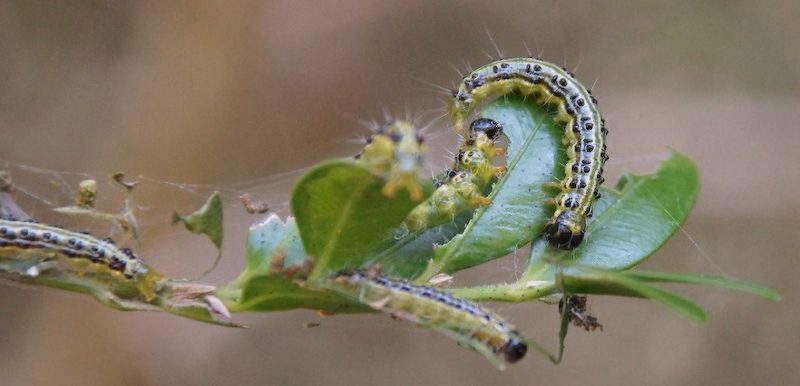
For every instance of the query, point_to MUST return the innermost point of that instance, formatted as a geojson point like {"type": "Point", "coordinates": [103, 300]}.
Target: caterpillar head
{"type": "Point", "coordinates": [566, 230]}
{"type": "Point", "coordinates": [487, 126]}
{"type": "Point", "coordinates": [514, 350]}
{"type": "Point", "coordinates": [135, 268]}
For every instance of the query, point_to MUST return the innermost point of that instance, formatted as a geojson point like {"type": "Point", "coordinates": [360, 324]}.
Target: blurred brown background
{"type": "Point", "coordinates": [225, 93]}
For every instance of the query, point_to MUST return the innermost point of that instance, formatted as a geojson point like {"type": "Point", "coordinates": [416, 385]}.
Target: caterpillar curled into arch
{"type": "Point", "coordinates": [471, 324]}
{"type": "Point", "coordinates": [585, 132]}
{"type": "Point", "coordinates": [395, 152]}
{"type": "Point", "coordinates": [462, 187]}
{"type": "Point", "coordinates": [76, 246]}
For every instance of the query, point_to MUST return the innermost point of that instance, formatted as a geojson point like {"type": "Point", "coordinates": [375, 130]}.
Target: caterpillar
{"type": "Point", "coordinates": [395, 151]}
{"type": "Point", "coordinates": [463, 186]}
{"type": "Point", "coordinates": [585, 132]}
{"type": "Point", "coordinates": [473, 325]}
{"type": "Point", "coordinates": [28, 235]}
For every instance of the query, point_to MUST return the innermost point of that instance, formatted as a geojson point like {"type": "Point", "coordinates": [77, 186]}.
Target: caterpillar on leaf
{"type": "Point", "coordinates": [80, 249]}
{"type": "Point", "coordinates": [585, 132]}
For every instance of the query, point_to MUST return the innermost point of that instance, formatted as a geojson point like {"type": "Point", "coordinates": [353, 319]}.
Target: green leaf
{"type": "Point", "coordinates": [259, 288]}
{"type": "Point", "coordinates": [715, 281]}
{"type": "Point", "coordinates": [206, 220]}
{"type": "Point", "coordinates": [518, 210]}
{"type": "Point", "coordinates": [408, 255]}
{"type": "Point", "coordinates": [342, 214]}
{"type": "Point", "coordinates": [630, 225]}
{"type": "Point", "coordinates": [269, 236]}
{"type": "Point", "coordinates": [266, 240]}
{"type": "Point", "coordinates": [614, 283]}
{"type": "Point", "coordinates": [275, 293]}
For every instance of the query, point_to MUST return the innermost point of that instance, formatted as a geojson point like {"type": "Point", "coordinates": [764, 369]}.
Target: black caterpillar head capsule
{"type": "Point", "coordinates": [486, 125]}
{"type": "Point", "coordinates": [566, 231]}
{"type": "Point", "coordinates": [514, 350]}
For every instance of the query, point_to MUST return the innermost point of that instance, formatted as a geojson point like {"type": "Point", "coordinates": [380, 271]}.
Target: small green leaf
{"type": "Point", "coordinates": [269, 236]}
{"type": "Point", "coordinates": [258, 288]}
{"type": "Point", "coordinates": [615, 283]}
{"type": "Point", "coordinates": [518, 210]}
{"type": "Point", "coordinates": [275, 293]}
{"type": "Point", "coordinates": [630, 225]}
{"type": "Point", "coordinates": [206, 220]}
{"type": "Point", "coordinates": [715, 281]}
{"type": "Point", "coordinates": [265, 241]}
{"type": "Point", "coordinates": [342, 214]}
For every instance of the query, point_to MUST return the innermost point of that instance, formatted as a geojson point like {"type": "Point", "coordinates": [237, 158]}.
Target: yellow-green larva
{"type": "Point", "coordinates": [463, 186]}
{"type": "Point", "coordinates": [471, 324]}
{"type": "Point", "coordinates": [585, 132]}
{"type": "Point", "coordinates": [395, 151]}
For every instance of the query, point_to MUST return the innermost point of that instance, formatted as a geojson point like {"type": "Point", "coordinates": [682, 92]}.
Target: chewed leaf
{"type": "Point", "coordinates": [275, 257]}
{"type": "Point", "coordinates": [342, 213]}
{"type": "Point", "coordinates": [272, 246]}
{"type": "Point", "coordinates": [630, 225]}
{"type": "Point", "coordinates": [206, 220]}
{"type": "Point", "coordinates": [518, 210]}
{"type": "Point", "coordinates": [269, 236]}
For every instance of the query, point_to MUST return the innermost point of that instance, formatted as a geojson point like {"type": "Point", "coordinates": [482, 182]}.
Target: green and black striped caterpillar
{"type": "Point", "coordinates": [585, 132]}
{"type": "Point", "coordinates": [471, 324]}
{"type": "Point", "coordinates": [76, 246]}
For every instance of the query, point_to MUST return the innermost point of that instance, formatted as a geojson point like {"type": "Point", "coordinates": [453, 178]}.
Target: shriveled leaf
{"type": "Point", "coordinates": [207, 220]}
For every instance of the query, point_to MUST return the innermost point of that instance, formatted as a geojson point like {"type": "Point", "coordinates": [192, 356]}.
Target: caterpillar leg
{"type": "Point", "coordinates": [407, 181]}
{"type": "Point", "coordinates": [480, 201]}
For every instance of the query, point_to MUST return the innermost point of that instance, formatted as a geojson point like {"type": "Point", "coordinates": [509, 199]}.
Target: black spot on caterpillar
{"type": "Point", "coordinates": [585, 132]}
{"type": "Point", "coordinates": [471, 324]}
{"type": "Point", "coordinates": [394, 151]}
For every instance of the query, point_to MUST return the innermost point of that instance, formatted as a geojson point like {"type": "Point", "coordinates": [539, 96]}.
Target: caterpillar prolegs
{"type": "Point", "coordinates": [473, 325]}
{"type": "Point", "coordinates": [585, 132]}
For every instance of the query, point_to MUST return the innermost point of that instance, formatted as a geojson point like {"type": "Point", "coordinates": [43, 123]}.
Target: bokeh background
{"type": "Point", "coordinates": [227, 95]}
